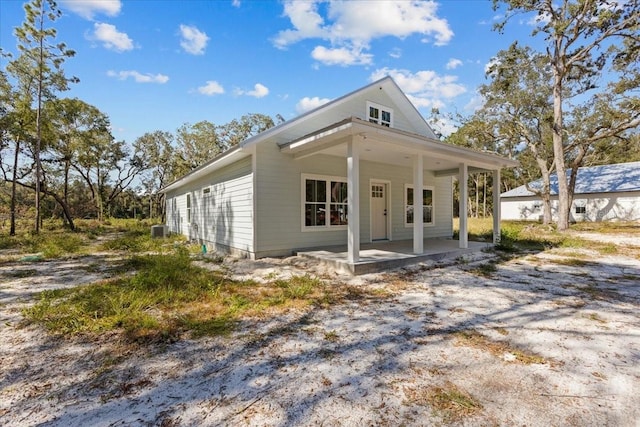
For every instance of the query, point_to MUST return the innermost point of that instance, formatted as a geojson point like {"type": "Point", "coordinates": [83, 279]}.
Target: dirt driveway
{"type": "Point", "coordinates": [536, 340]}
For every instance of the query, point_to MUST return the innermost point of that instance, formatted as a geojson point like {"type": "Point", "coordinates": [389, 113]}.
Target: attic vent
{"type": "Point", "coordinates": [379, 114]}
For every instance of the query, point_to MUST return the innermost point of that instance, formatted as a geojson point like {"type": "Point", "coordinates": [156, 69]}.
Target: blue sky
{"type": "Point", "coordinates": [155, 65]}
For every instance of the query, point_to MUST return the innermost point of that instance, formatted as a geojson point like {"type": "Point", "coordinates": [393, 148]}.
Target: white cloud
{"type": "Point", "coordinates": [475, 103]}
{"type": "Point", "coordinates": [259, 91]}
{"type": "Point", "coordinates": [453, 64]}
{"type": "Point", "coordinates": [424, 88]}
{"type": "Point", "coordinates": [89, 8]}
{"type": "Point", "coordinates": [306, 21]}
{"type": "Point", "coordinates": [395, 53]}
{"type": "Point", "coordinates": [139, 77]}
{"type": "Point", "coordinates": [340, 56]}
{"type": "Point", "coordinates": [211, 88]}
{"type": "Point", "coordinates": [235, 3]}
{"type": "Point", "coordinates": [111, 38]}
{"type": "Point", "coordinates": [308, 104]}
{"type": "Point", "coordinates": [350, 26]}
{"type": "Point", "coordinates": [193, 40]}
{"type": "Point", "coordinates": [541, 18]}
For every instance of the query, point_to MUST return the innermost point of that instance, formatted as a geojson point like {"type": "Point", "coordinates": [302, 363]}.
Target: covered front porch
{"type": "Point", "coordinates": [384, 255]}
{"type": "Point", "coordinates": [356, 142]}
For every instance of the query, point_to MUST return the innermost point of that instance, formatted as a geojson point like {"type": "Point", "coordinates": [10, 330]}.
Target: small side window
{"type": "Point", "coordinates": [188, 208]}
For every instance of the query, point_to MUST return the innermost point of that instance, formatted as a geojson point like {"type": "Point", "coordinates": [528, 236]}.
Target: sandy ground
{"type": "Point", "coordinates": [368, 361]}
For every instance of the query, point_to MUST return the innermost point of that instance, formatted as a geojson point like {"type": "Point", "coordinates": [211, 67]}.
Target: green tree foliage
{"type": "Point", "coordinates": [158, 151]}
{"type": "Point", "coordinates": [39, 69]}
{"type": "Point", "coordinates": [197, 144]}
{"type": "Point", "coordinates": [586, 39]}
{"type": "Point", "coordinates": [236, 131]}
{"type": "Point", "coordinates": [18, 127]}
{"type": "Point", "coordinates": [203, 141]}
{"type": "Point", "coordinates": [516, 118]}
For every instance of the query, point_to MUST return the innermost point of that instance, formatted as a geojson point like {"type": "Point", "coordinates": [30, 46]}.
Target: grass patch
{"type": "Point", "coordinates": [471, 338]}
{"type": "Point", "coordinates": [571, 262]}
{"type": "Point", "coordinates": [51, 244]}
{"type": "Point", "coordinates": [168, 296]}
{"type": "Point", "coordinates": [596, 318]}
{"type": "Point", "coordinates": [138, 239]}
{"type": "Point", "coordinates": [485, 269]}
{"type": "Point", "coordinates": [448, 401]}
{"type": "Point", "coordinates": [596, 293]}
{"type": "Point", "coordinates": [20, 274]}
{"type": "Point", "coordinates": [519, 236]}
{"type": "Point", "coordinates": [331, 336]}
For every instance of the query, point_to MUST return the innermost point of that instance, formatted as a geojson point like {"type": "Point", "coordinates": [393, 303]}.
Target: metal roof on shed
{"type": "Point", "coordinates": [620, 177]}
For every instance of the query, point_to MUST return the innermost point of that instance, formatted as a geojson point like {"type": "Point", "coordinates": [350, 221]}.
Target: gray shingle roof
{"type": "Point", "coordinates": [620, 177]}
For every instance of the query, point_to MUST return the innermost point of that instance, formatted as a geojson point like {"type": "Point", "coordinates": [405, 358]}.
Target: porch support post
{"type": "Point", "coordinates": [353, 202]}
{"type": "Point", "coordinates": [418, 220]}
{"type": "Point", "coordinates": [463, 175]}
{"type": "Point", "coordinates": [496, 207]}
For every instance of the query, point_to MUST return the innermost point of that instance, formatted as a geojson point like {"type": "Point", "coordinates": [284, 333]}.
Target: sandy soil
{"type": "Point", "coordinates": [368, 361]}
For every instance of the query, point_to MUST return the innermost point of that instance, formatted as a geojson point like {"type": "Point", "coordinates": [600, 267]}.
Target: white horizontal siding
{"type": "Point", "coordinates": [279, 200]}
{"type": "Point", "coordinates": [599, 207]}
{"type": "Point", "coordinates": [225, 216]}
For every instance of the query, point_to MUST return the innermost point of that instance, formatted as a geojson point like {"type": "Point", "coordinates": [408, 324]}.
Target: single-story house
{"type": "Point", "coordinates": [344, 173]}
{"type": "Point", "coordinates": [602, 193]}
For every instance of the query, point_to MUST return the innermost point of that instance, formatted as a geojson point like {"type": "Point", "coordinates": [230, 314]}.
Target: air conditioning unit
{"type": "Point", "coordinates": [158, 231]}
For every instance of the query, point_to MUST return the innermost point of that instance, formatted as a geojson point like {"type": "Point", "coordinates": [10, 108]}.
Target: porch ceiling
{"type": "Point", "coordinates": [391, 146]}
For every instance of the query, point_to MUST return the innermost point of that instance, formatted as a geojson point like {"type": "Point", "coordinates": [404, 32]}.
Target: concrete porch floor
{"type": "Point", "coordinates": [385, 255]}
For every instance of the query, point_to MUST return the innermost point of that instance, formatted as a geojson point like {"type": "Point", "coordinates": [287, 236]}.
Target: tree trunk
{"type": "Point", "coordinates": [163, 208]}
{"type": "Point", "coordinates": [12, 231]}
{"type": "Point", "coordinates": [65, 194]}
{"type": "Point", "coordinates": [476, 181]}
{"type": "Point", "coordinates": [484, 196]}
{"type": "Point", "coordinates": [558, 141]}
{"type": "Point", "coordinates": [65, 209]}
{"type": "Point", "coordinates": [39, 120]}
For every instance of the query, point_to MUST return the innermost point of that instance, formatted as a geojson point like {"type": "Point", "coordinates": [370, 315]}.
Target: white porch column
{"type": "Point", "coordinates": [418, 220]}
{"type": "Point", "coordinates": [353, 202]}
{"type": "Point", "coordinates": [496, 207]}
{"type": "Point", "coordinates": [463, 176]}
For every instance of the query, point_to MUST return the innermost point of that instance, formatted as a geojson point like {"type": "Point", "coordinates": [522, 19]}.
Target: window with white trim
{"type": "Point", "coordinates": [324, 202]}
{"type": "Point", "coordinates": [427, 205]}
{"type": "Point", "coordinates": [581, 209]}
{"type": "Point", "coordinates": [206, 192]}
{"type": "Point", "coordinates": [379, 114]}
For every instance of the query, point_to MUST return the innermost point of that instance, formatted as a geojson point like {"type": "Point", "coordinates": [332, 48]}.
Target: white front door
{"type": "Point", "coordinates": [378, 211]}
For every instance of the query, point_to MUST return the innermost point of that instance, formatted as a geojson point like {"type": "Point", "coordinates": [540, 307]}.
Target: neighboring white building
{"type": "Point", "coordinates": [344, 173]}
{"type": "Point", "coordinates": [602, 193]}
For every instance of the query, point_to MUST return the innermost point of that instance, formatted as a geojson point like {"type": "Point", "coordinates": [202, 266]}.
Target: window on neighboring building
{"type": "Point", "coordinates": [206, 192]}
{"type": "Point", "coordinates": [379, 114]}
{"type": "Point", "coordinates": [427, 205]}
{"type": "Point", "coordinates": [188, 208]}
{"type": "Point", "coordinates": [581, 209]}
{"type": "Point", "coordinates": [325, 202]}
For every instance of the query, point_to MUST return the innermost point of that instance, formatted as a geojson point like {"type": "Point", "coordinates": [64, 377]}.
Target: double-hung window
{"type": "Point", "coordinates": [427, 205]}
{"type": "Point", "coordinates": [324, 202]}
{"type": "Point", "coordinates": [379, 114]}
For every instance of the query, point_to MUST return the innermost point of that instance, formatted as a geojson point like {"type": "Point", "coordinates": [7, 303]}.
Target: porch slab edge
{"type": "Point", "coordinates": [377, 265]}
